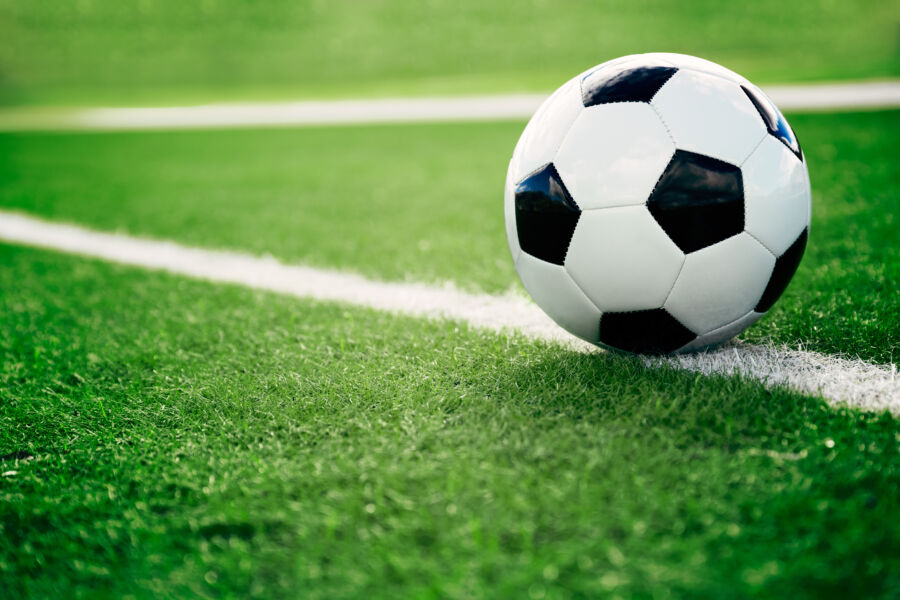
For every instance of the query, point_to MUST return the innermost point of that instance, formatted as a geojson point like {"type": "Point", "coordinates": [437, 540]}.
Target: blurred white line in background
{"type": "Point", "coordinates": [820, 97]}
{"type": "Point", "coordinates": [840, 381]}
{"type": "Point", "coordinates": [836, 96]}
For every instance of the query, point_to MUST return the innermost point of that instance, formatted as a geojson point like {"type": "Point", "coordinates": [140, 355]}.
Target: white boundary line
{"type": "Point", "coordinates": [840, 381]}
{"type": "Point", "coordinates": [833, 96]}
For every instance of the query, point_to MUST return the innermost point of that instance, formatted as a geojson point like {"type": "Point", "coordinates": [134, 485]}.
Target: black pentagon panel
{"type": "Point", "coordinates": [698, 200]}
{"type": "Point", "coordinates": [775, 121]}
{"type": "Point", "coordinates": [546, 215]}
{"type": "Point", "coordinates": [785, 267]}
{"type": "Point", "coordinates": [638, 84]}
{"type": "Point", "coordinates": [644, 331]}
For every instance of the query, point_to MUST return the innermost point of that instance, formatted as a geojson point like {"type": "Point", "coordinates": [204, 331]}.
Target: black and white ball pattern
{"type": "Point", "coordinates": [657, 203]}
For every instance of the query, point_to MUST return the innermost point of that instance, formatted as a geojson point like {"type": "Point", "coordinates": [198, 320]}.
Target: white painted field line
{"type": "Point", "coordinates": [833, 96]}
{"type": "Point", "coordinates": [851, 382]}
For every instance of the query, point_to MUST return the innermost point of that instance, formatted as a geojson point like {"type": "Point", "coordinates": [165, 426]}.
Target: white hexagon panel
{"type": "Point", "coordinates": [556, 293]}
{"type": "Point", "coordinates": [546, 130]}
{"type": "Point", "coordinates": [709, 115]}
{"type": "Point", "coordinates": [720, 283]}
{"type": "Point", "coordinates": [613, 155]}
{"type": "Point", "coordinates": [776, 195]}
{"type": "Point", "coordinates": [722, 334]}
{"type": "Point", "coordinates": [622, 259]}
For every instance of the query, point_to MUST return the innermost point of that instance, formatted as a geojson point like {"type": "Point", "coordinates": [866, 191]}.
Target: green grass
{"type": "Point", "coordinates": [424, 203]}
{"type": "Point", "coordinates": [167, 438]}
{"type": "Point", "coordinates": [162, 438]}
{"type": "Point", "coordinates": [163, 51]}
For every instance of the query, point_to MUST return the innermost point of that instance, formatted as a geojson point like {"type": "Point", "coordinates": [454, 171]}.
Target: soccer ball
{"type": "Point", "coordinates": [657, 203]}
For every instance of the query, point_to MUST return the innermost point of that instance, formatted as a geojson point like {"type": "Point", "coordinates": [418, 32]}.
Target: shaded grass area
{"type": "Point", "coordinates": [424, 203]}
{"type": "Point", "coordinates": [164, 51]}
{"type": "Point", "coordinates": [164, 437]}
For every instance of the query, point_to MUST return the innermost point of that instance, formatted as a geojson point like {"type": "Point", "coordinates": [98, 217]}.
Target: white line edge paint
{"type": "Point", "coordinates": [840, 381]}
{"type": "Point", "coordinates": [820, 97]}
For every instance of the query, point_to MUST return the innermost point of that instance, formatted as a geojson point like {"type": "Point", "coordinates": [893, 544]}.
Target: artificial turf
{"type": "Point", "coordinates": [424, 202]}
{"type": "Point", "coordinates": [162, 437]}
{"type": "Point", "coordinates": [165, 51]}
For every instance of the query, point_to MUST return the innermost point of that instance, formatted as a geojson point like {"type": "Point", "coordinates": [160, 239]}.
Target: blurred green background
{"type": "Point", "coordinates": [85, 52]}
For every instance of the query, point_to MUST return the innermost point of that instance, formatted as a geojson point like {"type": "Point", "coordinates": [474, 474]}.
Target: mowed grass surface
{"type": "Point", "coordinates": [164, 51]}
{"type": "Point", "coordinates": [424, 203]}
{"type": "Point", "coordinates": [161, 437]}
